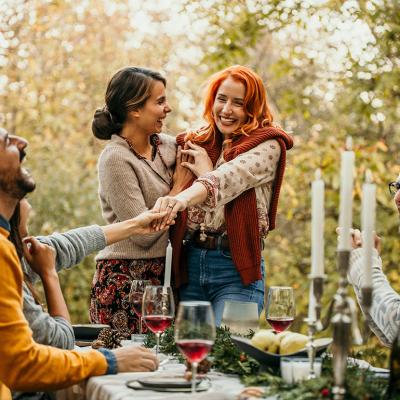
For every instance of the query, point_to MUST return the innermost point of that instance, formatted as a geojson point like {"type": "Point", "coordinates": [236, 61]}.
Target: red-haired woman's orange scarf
{"type": "Point", "coordinates": [241, 213]}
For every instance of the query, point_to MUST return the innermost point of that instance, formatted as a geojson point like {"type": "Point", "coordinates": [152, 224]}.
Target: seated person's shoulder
{"type": "Point", "coordinates": [5, 243]}
{"type": "Point", "coordinates": [7, 250]}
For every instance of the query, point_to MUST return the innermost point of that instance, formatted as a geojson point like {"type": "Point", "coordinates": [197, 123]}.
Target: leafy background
{"type": "Point", "coordinates": [331, 70]}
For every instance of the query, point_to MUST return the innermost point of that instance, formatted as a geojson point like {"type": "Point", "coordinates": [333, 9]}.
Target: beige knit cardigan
{"type": "Point", "coordinates": [129, 186]}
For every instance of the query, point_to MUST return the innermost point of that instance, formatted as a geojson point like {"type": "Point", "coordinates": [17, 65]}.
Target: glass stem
{"type": "Point", "coordinates": [194, 372]}
{"type": "Point", "coordinates": [158, 343]}
{"type": "Point", "coordinates": [140, 325]}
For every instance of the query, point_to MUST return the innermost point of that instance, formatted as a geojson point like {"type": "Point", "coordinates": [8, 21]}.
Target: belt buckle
{"type": "Point", "coordinates": [219, 242]}
{"type": "Point", "coordinates": [211, 242]}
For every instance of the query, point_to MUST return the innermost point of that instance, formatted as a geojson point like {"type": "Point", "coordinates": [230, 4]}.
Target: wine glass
{"type": "Point", "coordinates": [240, 316]}
{"type": "Point", "coordinates": [158, 309]}
{"type": "Point", "coordinates": [136, 298]}
{"type": "Point", "coordinates": [281, 309]}
{"type": "Point", "coordinates": [195, 332]}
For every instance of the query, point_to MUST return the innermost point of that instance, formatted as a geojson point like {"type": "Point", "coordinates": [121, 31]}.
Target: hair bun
{"type": "Point", "coordinates": [103, 125]}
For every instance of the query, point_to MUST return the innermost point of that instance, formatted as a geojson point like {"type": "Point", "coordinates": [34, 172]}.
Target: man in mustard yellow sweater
{"type": "Point", "coordinates": [24, 364]}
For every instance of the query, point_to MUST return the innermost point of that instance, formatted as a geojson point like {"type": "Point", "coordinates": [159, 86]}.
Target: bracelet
{"type": "Point", "coordinates": [112, 367]}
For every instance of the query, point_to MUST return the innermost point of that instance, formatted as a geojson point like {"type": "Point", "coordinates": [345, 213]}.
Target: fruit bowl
{"type": "Point", "coordinates": [272, 360]}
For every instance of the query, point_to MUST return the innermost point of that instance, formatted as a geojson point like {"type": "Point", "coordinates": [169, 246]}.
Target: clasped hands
{"type": "Point", "coordinates": [191, 162]}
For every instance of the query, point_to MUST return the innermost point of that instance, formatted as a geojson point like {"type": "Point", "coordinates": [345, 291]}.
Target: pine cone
{"type": "Point", "coordinates": [111, 338]}
{"type": "Point", "coordinates": [203, 367]}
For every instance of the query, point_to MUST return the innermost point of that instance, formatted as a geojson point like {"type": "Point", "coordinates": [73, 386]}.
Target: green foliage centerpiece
{"type": "Point", "coordinates": [227, 358]}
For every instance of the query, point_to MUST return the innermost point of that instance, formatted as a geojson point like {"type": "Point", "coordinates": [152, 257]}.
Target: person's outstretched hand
{"type": "Point", "coordinates": [135, 359]}
{"type": "Point", "coordinates": [144, 221]}
{"type": "Point", "coordinates": [356, 239]}
{"type": "Point", "coordinates": [172, 205]}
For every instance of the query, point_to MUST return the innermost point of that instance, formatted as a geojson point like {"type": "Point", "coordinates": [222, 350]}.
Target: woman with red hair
{"type": "Point", "coordinates": [238, 159]}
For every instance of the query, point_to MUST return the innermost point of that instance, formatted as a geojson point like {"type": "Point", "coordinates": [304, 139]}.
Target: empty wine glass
{"type": "Point", "coordinates": [280, 309]}
{"type": "Point", "coordinates": [195, 332]}
{"type": "Point", "coordinates": [136, 298]}
{"type": "Point", "coordinates": [240, 316]}
{"type": "Point", "coordinates": [158, 310]}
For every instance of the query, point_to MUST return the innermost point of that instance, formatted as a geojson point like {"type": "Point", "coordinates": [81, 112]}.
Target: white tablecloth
{"type": "Point", "coordinates": [113, 387]}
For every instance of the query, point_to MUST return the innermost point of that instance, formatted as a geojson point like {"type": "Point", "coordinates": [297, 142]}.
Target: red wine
{"type": "Point", "coordinates": [280, 324]}
{"type": "Point", "coordinates": [137, 308]}
{"type": "Point", "coordinates": [158, 323]}
{"type": "Point", "coordinates": [195, 350]}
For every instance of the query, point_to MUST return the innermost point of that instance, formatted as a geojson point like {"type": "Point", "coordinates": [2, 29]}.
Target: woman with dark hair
{"type": "Point", "coordinates": [239, 161]}
{"type": "Point", "coordinates": [135, 168]}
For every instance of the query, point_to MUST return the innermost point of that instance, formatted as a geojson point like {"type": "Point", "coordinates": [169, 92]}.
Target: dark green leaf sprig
{"type": "Point", "coordinates": [167, 343]}
{"type": "Point", "coordinates": [227, 358]}
{"type": "Point", "coordinates": [362, 384]}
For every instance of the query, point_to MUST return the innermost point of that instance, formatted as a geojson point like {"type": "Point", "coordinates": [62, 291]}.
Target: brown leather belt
{"type": "Point", "coordinates": [211, 242]}
{"type": "Point", "coordinates": [214, 242]}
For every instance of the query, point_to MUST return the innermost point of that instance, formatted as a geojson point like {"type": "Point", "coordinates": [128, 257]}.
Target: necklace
{"type": "Point", "coordinates": [155, 141]}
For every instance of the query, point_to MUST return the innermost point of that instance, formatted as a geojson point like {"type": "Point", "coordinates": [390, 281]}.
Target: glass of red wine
{"type": "Point", "coordinates": [136, 298]}
{"type": "Point", "coordinates": [195, 332]}
{"type": "Point", "coordinates": [281, 308]}
{"type": "Point", "coordinates": [158, 309]}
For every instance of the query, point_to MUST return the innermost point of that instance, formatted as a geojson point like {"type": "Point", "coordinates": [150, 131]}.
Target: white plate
{"type": "Point", "coordinates": [171, 383]}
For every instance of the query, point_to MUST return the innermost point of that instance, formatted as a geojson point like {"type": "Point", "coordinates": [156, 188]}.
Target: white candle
{"type": "Point", "coordinates": [368, 225]}
{"type": "Point", "coordinates": [346, 196]}
{"type": "Point", "coordinates": [317, 225]}
{"type": "Point", "coordinates": [168, 261]}
{"type": "Point", "coordinates": [312, 315]}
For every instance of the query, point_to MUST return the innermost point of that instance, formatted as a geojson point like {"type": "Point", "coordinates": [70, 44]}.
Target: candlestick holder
{"type": "Point", "coordinates": [342, 326]}
{"type": "Point", "coordinates": [342, 315]}
{"type": "Point", "coordinates": [314, 324]}
{"type": "Point", "coordinates": [311, 348]}
{"type": "Point", "coordinates": [366, 301]}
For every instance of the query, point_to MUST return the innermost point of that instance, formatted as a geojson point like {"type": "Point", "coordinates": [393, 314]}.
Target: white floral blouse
{"type": "Point", "coordinates": [255, 168]}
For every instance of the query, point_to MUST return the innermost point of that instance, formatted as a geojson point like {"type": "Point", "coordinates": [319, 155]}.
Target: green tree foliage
{"type": "Point", "coordinates": [324, 82]}
{"type": "Point", "coordinates": [55, 60]}
{"type": "Point", "coordinates": [323, 86]}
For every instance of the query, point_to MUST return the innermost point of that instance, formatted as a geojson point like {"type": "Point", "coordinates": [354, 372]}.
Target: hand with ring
{"type": "Point", "coordinates": [170, 204]}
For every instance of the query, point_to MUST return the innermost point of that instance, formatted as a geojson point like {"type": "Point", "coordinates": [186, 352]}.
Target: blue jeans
{"type": "Point", "coordinates": [213, 277]}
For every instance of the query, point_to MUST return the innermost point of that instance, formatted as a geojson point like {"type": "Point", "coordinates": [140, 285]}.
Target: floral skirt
{"type": "Point", "coordinates": [109, 297]}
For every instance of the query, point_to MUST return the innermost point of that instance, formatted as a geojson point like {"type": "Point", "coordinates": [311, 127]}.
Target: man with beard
{"type": "Point", "coordinates": [384, 315]}
{"type": "Point", "coordinates": [26, 365]}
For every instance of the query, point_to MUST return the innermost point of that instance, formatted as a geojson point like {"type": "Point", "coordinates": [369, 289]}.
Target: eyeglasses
{"type": "Point", "coordinates": [394, 187]}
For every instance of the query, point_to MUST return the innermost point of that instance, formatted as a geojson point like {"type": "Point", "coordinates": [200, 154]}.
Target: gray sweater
{"type": "Point", "coordinates": [384, 315]}
{"type": "Point", "coordinates": [71, 248]}
{"type": "Point", "coordinates": [127, 187]}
